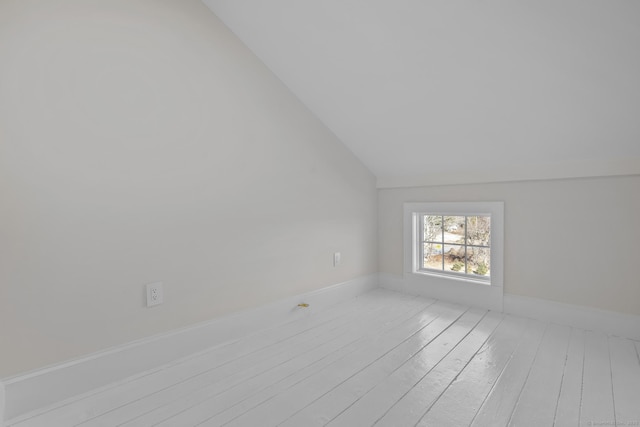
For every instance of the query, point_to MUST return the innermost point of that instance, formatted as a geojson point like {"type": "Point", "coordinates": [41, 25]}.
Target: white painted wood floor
{"type": "Point", "coordinates": [383, 359]}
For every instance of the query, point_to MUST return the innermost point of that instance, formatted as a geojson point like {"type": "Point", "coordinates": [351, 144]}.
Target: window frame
{"type": "Point", "coordinates": [413, 211]}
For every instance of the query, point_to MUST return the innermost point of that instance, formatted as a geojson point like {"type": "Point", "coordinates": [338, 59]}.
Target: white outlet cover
{"type": "Point", "coordinates": [155, 294]}
{"type": "Point", "coordinates": [336, 259]}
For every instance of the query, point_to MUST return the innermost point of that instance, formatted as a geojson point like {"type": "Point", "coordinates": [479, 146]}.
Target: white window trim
{"type": "Point", "coordinates": [461, 289]}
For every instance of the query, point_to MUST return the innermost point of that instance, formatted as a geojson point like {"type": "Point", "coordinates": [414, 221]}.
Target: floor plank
{"type": "Point", "coordinates": [497, 408]}
{"type": "Point", "coordinates": [462, 399]}
{"type": "Point", "coordinates": [415, 403]}
{"type": "Point", "coordinates": [625, 367]}
{"type": "Point", "coordinates": [538, 399]}
{"type": "Point", "coordinates": [597, 392]}
{"type": "Point", "coordinates": [568, 408]}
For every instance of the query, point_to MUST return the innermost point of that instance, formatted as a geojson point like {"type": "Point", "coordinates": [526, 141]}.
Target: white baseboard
{"type": "Point", "coordinates": [459, 292]}
{"type": "Point", "coordinates": [45, 387]}
{"type": "Point", "coordinates": [593, 319]}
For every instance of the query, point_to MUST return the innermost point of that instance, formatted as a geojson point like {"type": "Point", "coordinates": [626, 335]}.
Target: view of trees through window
{"type": "Point", "coordinates": [456, 244]}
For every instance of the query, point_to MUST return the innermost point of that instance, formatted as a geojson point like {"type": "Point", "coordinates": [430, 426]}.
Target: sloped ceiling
{"type": "Point", "coordinates": [427, 91]}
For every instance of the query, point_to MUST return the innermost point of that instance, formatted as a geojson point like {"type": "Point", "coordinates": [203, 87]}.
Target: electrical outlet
{"type": "Point", "coordinates": [155, 294]}
{"type": "Point", "coordinates": [337, 258]}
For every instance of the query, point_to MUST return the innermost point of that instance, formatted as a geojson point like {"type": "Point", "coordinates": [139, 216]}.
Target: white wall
{"type": "Point", "coordinates": [573, 241]}
{"type": "Point", "coordinates": [142, 141]}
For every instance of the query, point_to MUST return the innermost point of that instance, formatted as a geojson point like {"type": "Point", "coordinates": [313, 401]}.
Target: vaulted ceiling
{"type": "Point", "coordinates": [421, 88]}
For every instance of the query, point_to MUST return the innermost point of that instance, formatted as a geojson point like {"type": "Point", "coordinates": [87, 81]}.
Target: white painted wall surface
{"type": "Point", "coordinates": [571, 241]}
{"type": "Point", "coordinates": [141, 142]}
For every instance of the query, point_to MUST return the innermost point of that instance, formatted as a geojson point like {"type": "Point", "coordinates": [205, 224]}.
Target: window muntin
{"type": "Point", "coordinates": [458, 245]}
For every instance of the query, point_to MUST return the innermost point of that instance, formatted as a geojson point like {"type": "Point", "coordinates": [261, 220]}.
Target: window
{"type": "Point", "coordinates": [454, 244]}
{"type": "Point", "coordinates": [462, 241]}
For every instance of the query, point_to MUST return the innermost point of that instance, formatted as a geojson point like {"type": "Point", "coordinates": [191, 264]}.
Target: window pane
{"type": "Point", "coordinates": [479, 230]}
{"type": "Point", "coordinates": [454, 229]}
{"type": "Point", "coordinates": [432, 256]}
{"type": "Point", "coordinates": [432, 228]}
{"type": "Point", "coordinates": [454, 258]}
{"type": "Point", "coordinates": [479, 261]}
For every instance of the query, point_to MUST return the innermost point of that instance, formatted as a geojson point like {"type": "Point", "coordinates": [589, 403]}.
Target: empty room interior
{"type": "Point", "coordinates": [307, 213]}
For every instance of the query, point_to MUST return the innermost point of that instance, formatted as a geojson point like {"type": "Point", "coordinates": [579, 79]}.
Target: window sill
{"type": "Point", "coordinates": [465, 279]}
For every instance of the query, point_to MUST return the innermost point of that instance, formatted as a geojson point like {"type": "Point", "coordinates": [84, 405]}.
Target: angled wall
{"type": "Point", "coordinates": [141, 142]}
